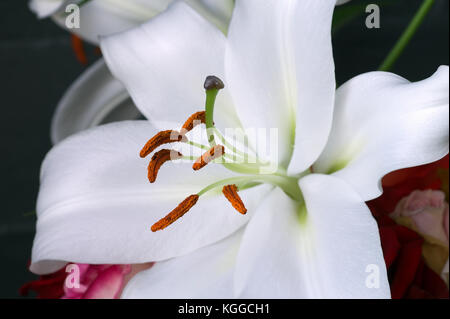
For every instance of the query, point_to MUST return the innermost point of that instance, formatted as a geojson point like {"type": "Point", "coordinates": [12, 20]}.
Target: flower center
{"type": "Point", "coordinates": [248, 165]}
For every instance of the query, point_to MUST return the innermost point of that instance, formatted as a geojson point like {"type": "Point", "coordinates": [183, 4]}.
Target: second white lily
{"type": "Point", "coordinates": [105, 17]}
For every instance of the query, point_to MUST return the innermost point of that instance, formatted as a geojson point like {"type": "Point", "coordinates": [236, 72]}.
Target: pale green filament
{"type": "Point", "coordinates": [198, 145]}
{"type": "Point", "coordinates": [249, 168]}
{"type": "Point", "coordinates": [288, 184]}
{"type": "Point", "coordinates": [207, 148]}
{"type": "Point", "coordinates": [231, 147]}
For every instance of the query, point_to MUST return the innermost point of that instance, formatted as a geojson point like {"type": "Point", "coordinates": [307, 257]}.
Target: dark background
{"type": "Point", "coordinates": [37, 64]}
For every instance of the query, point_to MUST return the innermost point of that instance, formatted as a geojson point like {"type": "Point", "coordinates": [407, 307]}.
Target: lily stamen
{"type": "Point", "coordinates": [194, 120]}
{"type": "Point", "coordinates": [214, 153]}
{"type": "Point", "coordinates": [177, 213]}
{"type": "Point", "coordinates": [161, 138]}
{"type": "Point", "coordinates": [158, 159]}
{"type": "Point", "coordinates": [230, 192]}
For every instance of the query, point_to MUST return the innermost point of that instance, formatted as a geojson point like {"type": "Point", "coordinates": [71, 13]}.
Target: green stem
{"type": "Point", "coordinates": [287, 184]}
{"type": "Point", "coordinates": [401, 44]}
{"type": "Point", "coordinates": [209, 117]}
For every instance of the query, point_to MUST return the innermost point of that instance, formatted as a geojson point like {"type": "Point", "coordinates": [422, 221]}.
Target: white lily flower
{"type": "Point", "coordinates": [308, 233]}
{"type": "Point", "coordinates": [105, 17]}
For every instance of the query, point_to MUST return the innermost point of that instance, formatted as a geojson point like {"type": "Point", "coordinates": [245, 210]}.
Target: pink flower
{"type": "Point", "coordinates": [428, 212]}
{"type": "Point", "coordinates": [83, 281]}
{"type": "Point", "coordinates": [100, 281]}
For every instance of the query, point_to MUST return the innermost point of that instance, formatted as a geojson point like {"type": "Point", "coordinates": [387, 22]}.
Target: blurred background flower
{"type": "Point", "coordinates": [412, 215]}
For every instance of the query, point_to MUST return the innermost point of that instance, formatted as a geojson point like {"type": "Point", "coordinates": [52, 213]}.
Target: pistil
{"type": "Point", "coordinates": [212, 86]}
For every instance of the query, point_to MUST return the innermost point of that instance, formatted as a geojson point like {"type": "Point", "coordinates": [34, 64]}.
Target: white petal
{"type": "Point", "coordinates": [217, 12]}
{"type": "Point", "coordinates": [96, 205]}
{"type": "Point", "coordinates": [205, 273]}
{"type": "Point", "coordinates": [280, 70]}
{"type": "Point", "coordinates": [105, 17]}
{"type": "Point", "coordinates": [323, 251]}
{"type": "Point", "coordinates": [45, 8]}
{"type": "Point", "coordinates": [164, 65]}
{"type": "Point", "coordinates": [95, 98]}
{"type": "Point", "coordinates": [382, 123]}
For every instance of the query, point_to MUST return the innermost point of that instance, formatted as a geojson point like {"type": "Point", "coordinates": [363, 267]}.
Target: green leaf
{"type": "Point", "coordinates": [32, 213]}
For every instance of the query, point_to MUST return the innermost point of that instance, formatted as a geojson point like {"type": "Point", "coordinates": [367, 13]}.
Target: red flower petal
{"type": "Point", "coordinates": [107, 285]}
{"type": "Point", "coordinates": [406, 267]}
{"type": "Point", "coordinates": [390, 244]}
